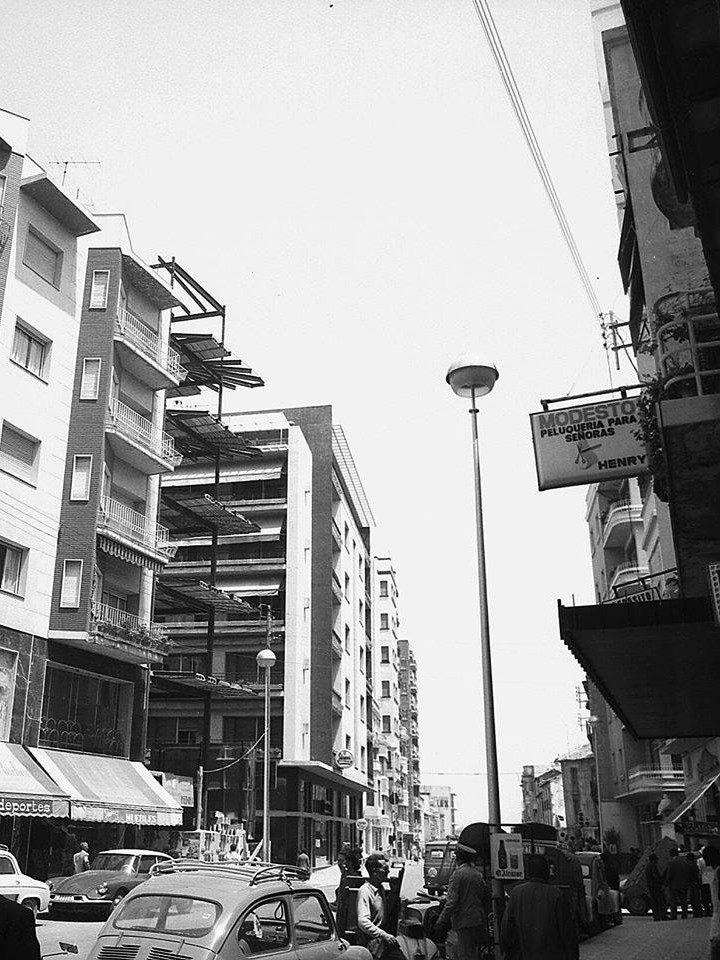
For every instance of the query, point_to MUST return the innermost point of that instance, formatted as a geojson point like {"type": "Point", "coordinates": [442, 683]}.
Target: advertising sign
{"type": "Point", "coordinates": [587, 444]}
{"type": "Point", "coordinates": [344, 759]}
{"type": "Point", "coordinates": [506, 856]}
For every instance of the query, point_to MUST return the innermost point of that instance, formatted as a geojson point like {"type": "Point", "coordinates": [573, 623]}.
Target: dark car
{"type": "Point", "coordinates": [112, 874]}
{"type": "Point", "coordinates": [218, 911]}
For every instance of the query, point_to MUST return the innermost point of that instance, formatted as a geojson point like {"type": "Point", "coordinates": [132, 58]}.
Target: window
{"type": "Point", "coordinates": [385, 654]}
{"type": "Point", "coordinates": [19, 453]}
{"type": "Point", "coordinates": [71, 583]}
{"type": "Point", "coordinates": [362, 704]}
{"type": "Point", "coordinates": [386, 725]}
{"type": "Point", "coordinates": [11, 568]}
{"type": "Point", "coordinates": [99, 289]}
{"type": "Point", "coordinates": [347, 638]}
{"type": "Point", "coordinates": [386, 688]}
{"type": "Point", "coordinates": [347, 693]}
{"type": "Point", "coordinates": [346, 537]}
{"type": "Point", "coordinates": [3, 182]}
{"type": "Point", "coordinates": [43, 257]}
{"type": "Point", "coordinates": [383, 588]}
{"type": "Point", "coordinates": [347, 587]}
{"type": "Point", "coordinates": [310, 922]}
{"type": "Point", "coordinates": [90, 383]}
{"type": "Point", "coordinates": [180, 916]}
{"type": "Point", "coordinates": [348, 742]}
{"type": "Point", "coordinates": [81, 474]}
{"type": "Point", "coordinates": [361, 611]}
{"type": "Point", "coordinates": [384, 622]}
{"type": "Point", "coordinates": [264, 929]}
{"type": "Point", "coordinates": [29, 350]}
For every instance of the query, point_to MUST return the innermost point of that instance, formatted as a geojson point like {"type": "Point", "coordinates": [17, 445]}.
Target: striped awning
{"type": "Point", "coordinates": [124, 552]}
{"type": "Point", "coordinates": [25, 789]}
{"type": "Point", "coordinates": [109, 789]}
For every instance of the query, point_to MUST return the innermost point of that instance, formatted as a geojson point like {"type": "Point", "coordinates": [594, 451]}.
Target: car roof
{"type": "Point", "coordinates": [228, 891]}
{"type": "Point", "coordinates": [129, 851]}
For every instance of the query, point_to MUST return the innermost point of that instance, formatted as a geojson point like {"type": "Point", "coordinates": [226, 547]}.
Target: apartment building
{"type": "Point", "coordinates": [442, 815]}
{"type": "Point", "coordinates": [291, 568]}
{"type": "Point", "coordinates": [543, 796]}
{"type": "Point", "coordinates": [410, 746]}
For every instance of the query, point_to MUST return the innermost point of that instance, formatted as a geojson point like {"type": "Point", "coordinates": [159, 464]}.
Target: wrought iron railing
{"type": "Point", "coordinates": [138, 428]}
{"type": "Point", "coordinates": [146, 339]}
{"type": "Point", "coordinates": [120, 625]}
{"type": "Point", "coordinates": [129, 523]}
{"type": "Point", "coordinates": [64, 734]}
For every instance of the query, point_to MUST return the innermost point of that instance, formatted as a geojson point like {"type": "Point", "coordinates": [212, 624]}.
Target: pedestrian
{"type": "Point", "coordinates": [371, 912]}
{"type": "Point", "coordinates": [711, 857]}
{"type": "Point", "coordinates": [537, 924]}
{"type": "Point", "coordinates": [654, 881]}
{"type": "Point", "coordinates": [233, 856]}
{"type": "Point", "coordinates": [81, 860]}
{"type": "Point", "coordinates": [706, 875]}
{"type": "Point", "coordinates": [303, 861]}
{"type": "Point", "coordinates": [693, 880]}
{"type": "Point", "coordinates": [18, 939]}
{"type": "Point", "coordinates": [676, 881]}
{"type": "Point", "coordinates": [348, 881]}
{"type": "Point", "coordinates": [466, 906]}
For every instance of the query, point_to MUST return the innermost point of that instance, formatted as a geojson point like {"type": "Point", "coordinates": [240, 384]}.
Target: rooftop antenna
{"type": "Point", "coordinates": [73, 163]}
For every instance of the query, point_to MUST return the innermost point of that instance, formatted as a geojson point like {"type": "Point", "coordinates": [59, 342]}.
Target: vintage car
{"type": "Point", "coordinates": [15, 885]}
{"type": "Point", "coordinates": [603, 903]}
{"type": "Point", "coordinates": [219, 911]}
{"type": "Point", "coordinates": [112, 874]}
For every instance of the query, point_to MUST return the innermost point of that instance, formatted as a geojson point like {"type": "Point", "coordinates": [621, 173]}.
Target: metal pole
{"type": "Point", "coordinates": [488, 695]}
{"type": "Point", "coordinates": [266, 772]}
{"type": "Point", "coordinates": [597, 781]}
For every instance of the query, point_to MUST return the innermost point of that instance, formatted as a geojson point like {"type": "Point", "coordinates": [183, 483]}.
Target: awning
{"type": "Point", "coordinates": [128, 554]}
{"type": "Point", "coordinates": [25, 789]}
{"type": "Point", "coordinates": [630, 652]}
{"type": "Point", "coordinates": [239, 472]}
{"type": "Point", "coordinates": [109, 789]}
{"type": "Point", "coordinates": [185, 512]}
{"type": "Point", "coordinates": [690, 801]}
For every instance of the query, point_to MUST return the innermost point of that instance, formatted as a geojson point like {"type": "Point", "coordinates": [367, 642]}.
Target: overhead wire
{"type": "Point", "coordinates": [508, 78]}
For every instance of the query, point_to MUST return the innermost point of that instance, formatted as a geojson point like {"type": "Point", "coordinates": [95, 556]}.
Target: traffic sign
{"type": "Point", "coordinates": [361, 824]}
{"type": "Point", "coordinates": [344, 759]}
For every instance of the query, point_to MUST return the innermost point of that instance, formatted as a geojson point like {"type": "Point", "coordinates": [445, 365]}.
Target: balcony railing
{"type": "Point", "coordinates": [139, 429]}
{"type": "Point", "coordinates": [687, 336]}
{"type": "Point", "coordinates": [129, 629]}
{"type": "Point", "coordinates": [144, 338]}
{"type": "Point", "coordinates": [337, 703]}
{"type": "Point", "coordinates": [644, 778]}
{"type": "Point", "coordinates": [620, 513]}
{"type": "Point", "coordinates": [626, 572]}
{"type": "Point", "coordinates": [60, 733]}
{"type": "Point", "coordinates": [132, 525]}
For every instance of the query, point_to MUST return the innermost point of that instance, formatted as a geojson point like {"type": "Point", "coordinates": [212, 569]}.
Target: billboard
{"type": "Point", "coordinates": [587, 444]}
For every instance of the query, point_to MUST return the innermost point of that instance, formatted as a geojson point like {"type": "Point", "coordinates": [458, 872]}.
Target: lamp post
{"type": "Point", "coordinates": [595, 723]}
{"type": "Point", "coordinates": [266, 661]}
{"type": "Point", "coordinates": [472, 378]}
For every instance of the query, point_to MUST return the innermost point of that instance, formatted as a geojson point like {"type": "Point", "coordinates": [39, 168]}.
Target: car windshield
{"type": "Point", "coordinates": [120, 862]}
{"type": "Point", "coordinates": [176, 915]}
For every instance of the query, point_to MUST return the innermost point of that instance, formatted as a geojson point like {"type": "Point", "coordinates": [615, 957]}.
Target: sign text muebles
{"type": "Point", "coordinates": [588, 443]}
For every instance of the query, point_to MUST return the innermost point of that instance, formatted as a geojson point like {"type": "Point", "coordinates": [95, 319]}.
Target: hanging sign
{"type": "Point", "coordinates": [344, 759]}
{"type": "Point", "coordinates": [588, 444]}
{"type": "Point", "coordinates": [506, 856]}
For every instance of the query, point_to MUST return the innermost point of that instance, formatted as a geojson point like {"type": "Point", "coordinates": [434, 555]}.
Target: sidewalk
{"type": "Point", "coordinates": [639, 938]}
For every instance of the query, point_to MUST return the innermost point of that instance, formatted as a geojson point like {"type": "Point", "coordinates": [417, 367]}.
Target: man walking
{"type": "Point", "coordinates": [466, 906]}
{"type": "Point", "coordinates": [18, 940]}
{"type": "Point", "coordinates": [372, 911]}
{"type": "Point", "coordinates": [537, 924]}
{"type": "Point", "coordinates": [653, 879]}
{"type": "Point", "coordinates": [81, 860]}
{"type": "Point", "coordinates": [676, 882]}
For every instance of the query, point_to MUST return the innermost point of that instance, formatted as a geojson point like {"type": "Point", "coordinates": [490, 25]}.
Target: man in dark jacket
{"type": "Point", "coordinates": [18, 940]}
{"type": "Point", "coordinates": [653, 879]}
{"type": "Point", "coordinates": [537, 924]}
{"type": "Point", "coordinates": [466, 906]}
{"type": "Point", "coordinates": [676, 883]}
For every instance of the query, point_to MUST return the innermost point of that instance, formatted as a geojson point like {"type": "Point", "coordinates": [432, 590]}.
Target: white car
{"type": "Point", "coordinates": [15, 885]}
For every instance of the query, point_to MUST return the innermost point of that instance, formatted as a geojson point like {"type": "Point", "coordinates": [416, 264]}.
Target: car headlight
{"type": "Point", "coordinates": [102, 889]}
{"type": "Point", "coordinates": [50, 885]}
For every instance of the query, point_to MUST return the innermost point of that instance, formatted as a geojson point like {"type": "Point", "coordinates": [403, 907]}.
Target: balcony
{"type": "Point", "coordinates": [337, 704]}
{"type": "Point", "coordinates": [337, 590]}
{"type": "Point", "coordinates": [125, 636]}
{"type": "Point", "coordinates": [337, 647]}
{"type": "Point", "coordinates": [127, 525]}
{"type": "Point", "coordinates": [336, 536]}
{"type": "Point", "coordinates": [648, 782]}
{"type": "Point", "coordinates": [144, 355]}
{"type": "Point", "coordinates": [60, 733]}
{"type": "Point", "coordinates": [135, 440]}
{"type": "Point", "coordinates": [624, 574]}
{"type": "Point", "coordinates": [618, 521]}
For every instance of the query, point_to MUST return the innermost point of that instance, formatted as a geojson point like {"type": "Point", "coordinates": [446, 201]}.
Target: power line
{"type": "Point", "coordinates": [508, 78]}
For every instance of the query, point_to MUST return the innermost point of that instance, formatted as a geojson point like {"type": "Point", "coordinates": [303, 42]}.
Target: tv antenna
{"type": "Point", "coordinates": [73, 163]}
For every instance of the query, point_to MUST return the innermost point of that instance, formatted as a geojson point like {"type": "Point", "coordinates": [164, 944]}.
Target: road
{"type": "Point", "coordinates": [638, 938]}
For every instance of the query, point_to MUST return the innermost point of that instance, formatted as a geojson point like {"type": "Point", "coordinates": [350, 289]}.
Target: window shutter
{"type": "Point", "coordinates": [82, 471]}
{"type": "Point", "coordinates": [41, 257]}
{"type": "Point", "coordinates": [17, 446]}
{"type": "Point", "coordinates": [90, 384]}
{"type": "Point", "coordinates": [71, 581]}
{"type": "Point", "coordinates": [99, 290]}
{"type": "Point", "coordinates": [11, 568]}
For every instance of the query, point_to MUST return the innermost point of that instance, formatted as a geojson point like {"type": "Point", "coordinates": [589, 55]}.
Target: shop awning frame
{"type": "Point", "coordinates": [690, 801]}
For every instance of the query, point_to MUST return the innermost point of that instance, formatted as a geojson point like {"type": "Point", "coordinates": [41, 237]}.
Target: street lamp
{"type": "Point", "coordinates": [472, 378]}
{"type": "Point", "coordinates": [595, 723]}
{"type": "Point", "coordinates": [266, 661]}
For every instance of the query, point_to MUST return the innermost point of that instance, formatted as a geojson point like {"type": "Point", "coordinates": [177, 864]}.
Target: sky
{"type": "Point", "coordinates": [349, 179]}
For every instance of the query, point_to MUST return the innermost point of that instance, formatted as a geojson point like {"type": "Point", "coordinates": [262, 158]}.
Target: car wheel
{"type": "Point", "coordinates": [637, 904]}
{"type": "Point", "coordinates": [31, 904]}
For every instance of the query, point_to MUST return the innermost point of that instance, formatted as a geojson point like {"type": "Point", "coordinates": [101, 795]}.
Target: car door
{"type": "Point", "coordinates": [313, 928]}
{"type": "Point", "coordinates": [263, 930]}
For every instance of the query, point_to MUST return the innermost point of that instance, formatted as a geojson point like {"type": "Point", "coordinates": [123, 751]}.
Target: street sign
{"type": "Point", "coordinates": [506, 856]}
{"type": "Point", "coordinates": [344, 759]}
{"type": "Point", "coordinates": [361, 824]}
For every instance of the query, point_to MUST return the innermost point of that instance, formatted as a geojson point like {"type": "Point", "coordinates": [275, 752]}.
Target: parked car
{"type": "Point", "coordinates": [15, 885]}
{"type": "Point", "coordinates": [112, 875]}
{"type": "Point", "coordinates": [211, 911]}
{"type": "Point", "coordinates": [603, 903]}
{"type": "Point", "coordinates": [633, 889]}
